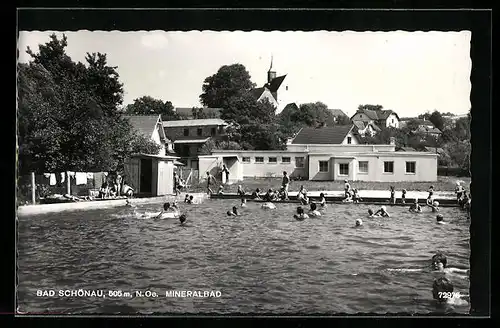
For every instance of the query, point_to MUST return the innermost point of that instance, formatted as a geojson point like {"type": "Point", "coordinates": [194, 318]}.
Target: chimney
{"type": "Point", "coordinates": [271, 74]}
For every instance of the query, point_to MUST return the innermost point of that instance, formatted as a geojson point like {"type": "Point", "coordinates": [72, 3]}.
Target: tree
{"type": "Point", "coordinates": [437, 119]}
{"type": "Point", "coordinates": [310, 114]}
{"type": "Point", "coordinates": [147, 105]}
{"type": "Point", "coordinates": [343, 120]}
{"type": "Point", "coordinates": [229, 81]}
{"type": "Point", "coordinates": [200, 113]}
{"type": "Point", "coordinates": [370, 107]}
{"type": "Point", "coordinates": [424, 116]}
{"type": "Point", "coordinates": [244, 109]}
{"type": "Point", "coordinates": [263, 137]}
{"type": "Point", "coordinates": [213, 145]}
{"type": "Point", "coordinates": [68, 113]}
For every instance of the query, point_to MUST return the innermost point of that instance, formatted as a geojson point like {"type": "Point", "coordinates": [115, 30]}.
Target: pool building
{"type": "Point", "coordinates": [322, 154]}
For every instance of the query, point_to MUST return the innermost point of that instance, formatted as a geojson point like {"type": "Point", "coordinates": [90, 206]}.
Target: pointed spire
{"type": "Point", "coordinates": [271, 67]}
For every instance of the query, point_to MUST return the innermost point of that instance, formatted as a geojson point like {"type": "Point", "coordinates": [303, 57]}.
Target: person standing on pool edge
{"type": "Point", "coordinates": [210, 180]}
{"type": "Point", "coordinates": [225, 171]}
{"type": "Point", "coordinates": [285, 182]}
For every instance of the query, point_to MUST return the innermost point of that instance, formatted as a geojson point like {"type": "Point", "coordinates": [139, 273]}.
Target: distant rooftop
{"type": "Point", "coordinates": [200, 122]}
{"type": "Point", "coordinates": [322, 136]}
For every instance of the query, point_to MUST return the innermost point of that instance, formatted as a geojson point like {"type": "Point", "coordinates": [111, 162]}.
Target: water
{"type": "Point", "coordinates": [262, 262]}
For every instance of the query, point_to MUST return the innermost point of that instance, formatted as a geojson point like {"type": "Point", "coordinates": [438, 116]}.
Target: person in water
{"type": "Point", "coordinates": [359, 223]}
{"type": "Point", "coordinates": [371, 214]}
{"type": "Point", "coordinates": [313, 211]}
{"type": "Point", "coordinates": [443, 293]}
{"type": "Point", "coordinates": [439, 263]}
{"type": "Point", "coordinates": [174, 205]}
{"type": "Point", "coordinates": [300, 214]}
{"type": "Point", "coordinates": [182, 218]}
{"type": "Point", "coordinates": [243, 202]}
{"type": "Point", "coordinates": [440, 219]}
{"type": "Point", "coordinates": [430, 197]}
{"type": "Point", "coordinates": [434, 206]}
{"type": "Point", "coordinates": [191, 200]}
{"type": "Point", "coordinates": [167, 209]}
{"type": "Point", "coordinates": [322, 201]}
{"type": "Point", "coordinates": [403, 196]}
{"type": "Point", "coordinates": [255, 194]}
{"type": "Point", "coordinates": [270, 195]}
{"type": "Point", "coordinates": [415, 207]}
{"type": "Point", "coordinates": [382, 211]}
{"type": "Point", "coordinates": [459, 190]}
{"type": "Point", "coordinates": [240, 191]}
{"type": "Point", "coordinates": [186, 199]}
{"type": "Point", "coordinates": [302, 196]}
{"type": "Point", "coordinates": [234, 212]}
{"type": "Point", "coordinates": [392, 198]}
{"type": "Point", "coordinates": [268, 205]}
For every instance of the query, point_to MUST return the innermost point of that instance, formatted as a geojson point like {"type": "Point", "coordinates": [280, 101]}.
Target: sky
{"type": "Point", "coordinates": [408, 72]}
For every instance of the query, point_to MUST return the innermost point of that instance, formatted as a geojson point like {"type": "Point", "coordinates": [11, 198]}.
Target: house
{"type": "Point", "coordinates": [421, 127]}
{"type": "Point", "coordinates": [188, 114]}
{"type": "Point", "coordinates": [270, 90]}
{"type": "Point", "coordinates": [325, 154]}
{"type": "Point", "coordinates": [366, 128]}
{"type": "Point", "coordinates": [335, 135]}
{"type": "Point", "coordinates": [151, 127]}
{"type": "Point", "coordinates": [380, 118]}
{"type": "Point", "coordinates": [338, 114]}
{"type": "Point", "coordinates": [189, 135]}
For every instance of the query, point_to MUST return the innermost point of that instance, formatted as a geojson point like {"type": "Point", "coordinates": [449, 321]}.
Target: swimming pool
{"type": "Point", "coordinates": [262, 262]}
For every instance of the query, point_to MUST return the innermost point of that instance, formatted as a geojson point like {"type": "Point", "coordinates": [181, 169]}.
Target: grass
{"type": "Point", "coordinates": [444, 183]}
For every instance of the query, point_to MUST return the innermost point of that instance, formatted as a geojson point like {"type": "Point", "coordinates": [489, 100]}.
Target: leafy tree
{"type": "Point", "coordinates": [437, 119]}
{"type": "Point", "coordinates": [244, 109]}
{"type": "Point", "coordinates": [141, 144]}
{"type": "Point", "coordinates": [213, 145]}
{"type": "Point", "coordinates": [370, 107]}
{"type": "Point", "coordinates": [310, 114]}
{"type": "Point", "coordinates": [200, 113]}
{"type": "Point", "coordinates": [229, 81]}
{"type": "Point", "coordinates": [343, 120]}
{"type": "Point", "coordinates": [263, 137]}
{"type": "Point", "coordinates": [425, 116]}
{"type": "Point", "coordinates": [147, 105]}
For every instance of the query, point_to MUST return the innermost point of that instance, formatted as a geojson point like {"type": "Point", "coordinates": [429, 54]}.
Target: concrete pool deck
{"type": "Point", "coordinates": [26, 210]}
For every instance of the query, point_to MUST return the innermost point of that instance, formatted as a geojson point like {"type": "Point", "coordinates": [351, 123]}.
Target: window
{"type": "Point", "coordinates": [343, 169]}
{"type": "Point", "coordinates": [273, 160]}
{"type": "Point", "coordinates": [299, 161]}
{"type": "Point", "coordinates": [349, 140]}
{"type": "Point", "coordinates": [363, 167]}
{"type": "Point", "coordinates": [392, 121]}
{"type": "Point", "coordinates": [410, 167]}
{"type": "Point", "coordinates": [199, 132]}
{"type": "Point", "coordinates": [259, 159]}
{"type": "Point", "coordinates": [285, 160]}
{"type": "Point", "coordinates": [323, 166]}
{"type": "Point", "coordinates": [388, 167]}
{"type": "Point", "coordinates": [246, 159]}
{"type": "Point", "coordinates": [186, 132]}
{"type": "Point", "coordinates": [213, 131]}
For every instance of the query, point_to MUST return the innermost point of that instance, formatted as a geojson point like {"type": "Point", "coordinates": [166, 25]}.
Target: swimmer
{"type": "Point", "coordinates": [269, 206]}
{"type": "Point", "coordinates": [322, 201]}
{"type": "Point", "coordinates": [182, 218]}
{"type": "Point", "coordinates": [174, 205]}
{"type": "Point", "coordinates": [255, 194]}
{"type": "Point", "coordinates": [355, 197]}
{"type": "Point", "coordinates": [300, 214]}
{"type": "Point", "coordinates": [382, 211]}
{"type": "Point", "coordinates": [270, 195]}
{"type": "Point", "coordinates": [403, 196]}
{"type": "Point", "coordinates": [415, 207]}
{"type": "Point", "coordinates": [359, 223]}
{"type": "Point", "coordinates": [434, 206]}
{"type": "Point", "coordinates": [439, 219]}
{"type": "Point", "coordinates": [166, 209]}
{"type": "Point", "coordinates": [240, 191]}
{"type": "Point", "coordinates": [442, 291]}
{"type": "Point", "coordinates": [186, 199]}
{"type": "Point", "coordinates": [313, 210]}
{"type": "Point", "coordinates": [431, 195]}
{"type": "Point", "coordinates": [234, 212]}
{"type": "Point", "coordinates": [129, 204]}
{"type": "Point", "coordinates": [243, 202]}
{"type": "Point", "coordinates": [439, 263]}
{"type": "Point", "coordinates": [371, 214]}
{"type": "Point", "coordinates": [191, 200]}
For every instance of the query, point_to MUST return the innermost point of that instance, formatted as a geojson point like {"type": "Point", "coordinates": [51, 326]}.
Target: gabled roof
{"type": "Point", "coordinates": [200, 122]}
{"type": "Point", "coordinates": [144, 124]}
{"type": "Point", "coordinates": [275, 83]}
{"type": "Point", "coordinates": [256, 92]}
{"type": "Point", "coordinates": [376, 114]}
{"type": "Point", "coordinates": [323, 136]}
{"type": "Point", "coordinates": [337, 112]}
{"type": "Point", "coordinates": [362, 125]}
{"type": "Point", "coordinates": [291, 106]}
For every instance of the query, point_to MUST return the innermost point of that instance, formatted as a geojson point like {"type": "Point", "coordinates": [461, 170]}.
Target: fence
{"type": "Point", "coordinates": [55, 184]}
{"type": "Point", "coordinates": [190, 176]}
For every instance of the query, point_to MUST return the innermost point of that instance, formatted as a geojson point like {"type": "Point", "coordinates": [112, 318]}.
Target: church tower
{"type": "Point", "coordinates": [271, 74]}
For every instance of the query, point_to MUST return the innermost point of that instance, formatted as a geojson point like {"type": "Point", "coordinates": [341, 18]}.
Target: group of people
{"type": "Point", "coordinates": [115, 186]}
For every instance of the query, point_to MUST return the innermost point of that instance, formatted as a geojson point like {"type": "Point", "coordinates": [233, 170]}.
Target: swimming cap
{"type": "Point", "coordinates": [435, 203]}
{"type": "Point", "coordinates": [359, 222]}
{"type": "Point", "coordinates": [439, 217]}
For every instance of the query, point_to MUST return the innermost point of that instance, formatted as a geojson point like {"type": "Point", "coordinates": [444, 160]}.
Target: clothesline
{"type": "Point", "coordinates": [81, 178]}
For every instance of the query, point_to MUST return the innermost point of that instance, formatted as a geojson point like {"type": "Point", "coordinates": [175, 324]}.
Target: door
{"type": "Point", "coordinates": [146, 175]}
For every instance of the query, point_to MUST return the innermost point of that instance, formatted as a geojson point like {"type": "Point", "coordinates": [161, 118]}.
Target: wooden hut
{"type": "Point", "coordinates": [150, 175]}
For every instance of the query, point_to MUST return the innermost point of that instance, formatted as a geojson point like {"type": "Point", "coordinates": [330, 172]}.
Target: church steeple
{"type": "Point", "coordinates": [271, 74]}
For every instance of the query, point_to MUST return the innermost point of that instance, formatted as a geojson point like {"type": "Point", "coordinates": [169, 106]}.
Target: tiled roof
{"type": "Point", "coordinates": [324, 136]}
{"type": "Point", "coordinates": [143, 124]}
{"type": "Point", "coordinates": [360, 125]}
{"type": "Point", "coordinates": [256, 92]}
{"type": "Point", "coordinates": [200, 122]}
{"type": "Point", "coordinates": [377, 114]}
